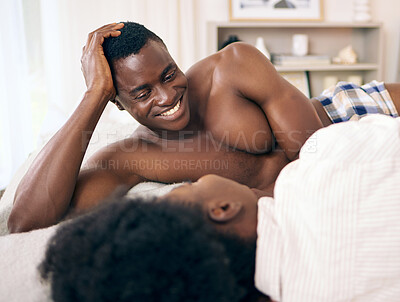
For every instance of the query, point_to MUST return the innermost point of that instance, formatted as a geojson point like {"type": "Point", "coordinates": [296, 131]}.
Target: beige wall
{"type": "Point", "coordinates": [388, 12]}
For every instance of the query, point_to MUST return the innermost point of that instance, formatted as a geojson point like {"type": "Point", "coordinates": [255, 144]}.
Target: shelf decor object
{"type": "Point", "coordinates": [362, 11]}
{"type": "Point", "coordinates": [300, 45]}
{"type": "Point", "coordinates": [346, 55]}
{"type": "Point", "coordinates": [276, 10]}
{"type": "Point", "coordinates": [260, 45]}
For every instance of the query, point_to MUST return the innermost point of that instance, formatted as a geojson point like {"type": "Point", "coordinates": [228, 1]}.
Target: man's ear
{"type": "Point", "coordinates": [117, 103]}
{"type": "Point", "coordinates": [224, 211]}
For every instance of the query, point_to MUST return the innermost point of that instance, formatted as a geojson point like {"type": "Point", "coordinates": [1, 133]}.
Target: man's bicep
{"type": "Point", "coordinates": [290, 113]}
{"type": "Point", "coordinates": [292, 118]}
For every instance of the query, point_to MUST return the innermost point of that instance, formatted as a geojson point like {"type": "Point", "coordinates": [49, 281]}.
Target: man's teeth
{"type": "Point", "coordinates": [173, 110]}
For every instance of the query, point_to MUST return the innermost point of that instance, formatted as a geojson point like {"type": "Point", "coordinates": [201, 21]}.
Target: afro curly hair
{"type": "Point", "coordinates": [137, 250]}
{"type": "Point", "coordinates": [131, 40]}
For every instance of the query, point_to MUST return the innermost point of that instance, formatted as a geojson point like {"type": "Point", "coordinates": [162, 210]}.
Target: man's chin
{"type": "Point", "coordinates": [176, 125]}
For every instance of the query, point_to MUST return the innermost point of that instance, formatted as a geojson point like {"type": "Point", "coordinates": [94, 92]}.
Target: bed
{"type": "Point", "coordinates": [21, 253]}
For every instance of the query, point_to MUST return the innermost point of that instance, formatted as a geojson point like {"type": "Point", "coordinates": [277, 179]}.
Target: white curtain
{"type": "Point", "coordinates": [15, 104]}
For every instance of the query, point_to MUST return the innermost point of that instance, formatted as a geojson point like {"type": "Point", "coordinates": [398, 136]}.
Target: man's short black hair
{"type": "Point", "coordinates": [136, 250]}
{"type": "Point", "coordinates": [131, 40]}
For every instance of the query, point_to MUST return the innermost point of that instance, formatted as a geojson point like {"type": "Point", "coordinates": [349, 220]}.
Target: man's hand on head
{"type": "Point", "coordinates": [95, 67]}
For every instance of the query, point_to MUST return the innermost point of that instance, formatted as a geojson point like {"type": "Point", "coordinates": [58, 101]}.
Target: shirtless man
{"type": "Point", "coordinates": [231, 107]}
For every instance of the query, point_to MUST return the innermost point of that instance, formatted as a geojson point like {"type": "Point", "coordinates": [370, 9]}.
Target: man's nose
{"type": "Point", "coordinates": [165, 97]}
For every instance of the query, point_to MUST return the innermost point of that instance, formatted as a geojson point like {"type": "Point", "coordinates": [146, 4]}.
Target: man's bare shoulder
{"type": "Point", "coordinates": [238, 59]}
{"type": "Point", "coordinates": [233, 53]}
{"type": "Point", "coordinates": [238, 49]}
{"type": "Point", "coordinates": [232, 64]}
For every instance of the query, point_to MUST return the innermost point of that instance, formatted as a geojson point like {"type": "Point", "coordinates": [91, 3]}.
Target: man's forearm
{"type": "Point", "coordinates": [44, 194]}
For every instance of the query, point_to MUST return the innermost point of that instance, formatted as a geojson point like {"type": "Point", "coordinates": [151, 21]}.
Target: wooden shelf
{"type": "Point", "coordinates": [325, 38]}
{"type": "Point", "coordinates": [331, 67]}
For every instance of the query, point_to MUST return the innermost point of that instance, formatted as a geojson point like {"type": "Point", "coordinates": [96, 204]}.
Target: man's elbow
{"type": "Point", "coordinates": [19, 222]}
{"type": "Point", "coordinates": [15, 224]}
{"type": "Point", "coordinates": [25, 217]}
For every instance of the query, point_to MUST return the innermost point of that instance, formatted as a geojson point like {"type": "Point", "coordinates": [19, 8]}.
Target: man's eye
{"type": "Point", "coordinates": [170, 76]}
{"type": "Point", "coordinates": [143, 95]}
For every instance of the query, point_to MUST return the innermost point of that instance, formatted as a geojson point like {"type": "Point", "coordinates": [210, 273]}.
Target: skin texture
{"type": "Point", "coordinates": [230, 206]}
{"type": "Point", "coordinates": [238, 118]}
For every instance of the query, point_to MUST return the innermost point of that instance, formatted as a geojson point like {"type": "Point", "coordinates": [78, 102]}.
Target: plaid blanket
{"type": "Point", "coordinates": [347, 101]}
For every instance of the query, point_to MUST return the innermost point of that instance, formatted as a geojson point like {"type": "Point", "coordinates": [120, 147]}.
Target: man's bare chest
{"type": "Point", "coordinates": [234, 120]}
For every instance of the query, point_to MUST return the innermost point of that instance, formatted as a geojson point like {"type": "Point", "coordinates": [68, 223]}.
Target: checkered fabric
{"type": "Point", "coordinates": [347, 101]}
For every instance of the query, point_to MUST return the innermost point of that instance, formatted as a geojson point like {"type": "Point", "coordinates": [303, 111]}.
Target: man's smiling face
{"type": "Point", "coordinates": [152, 88]}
